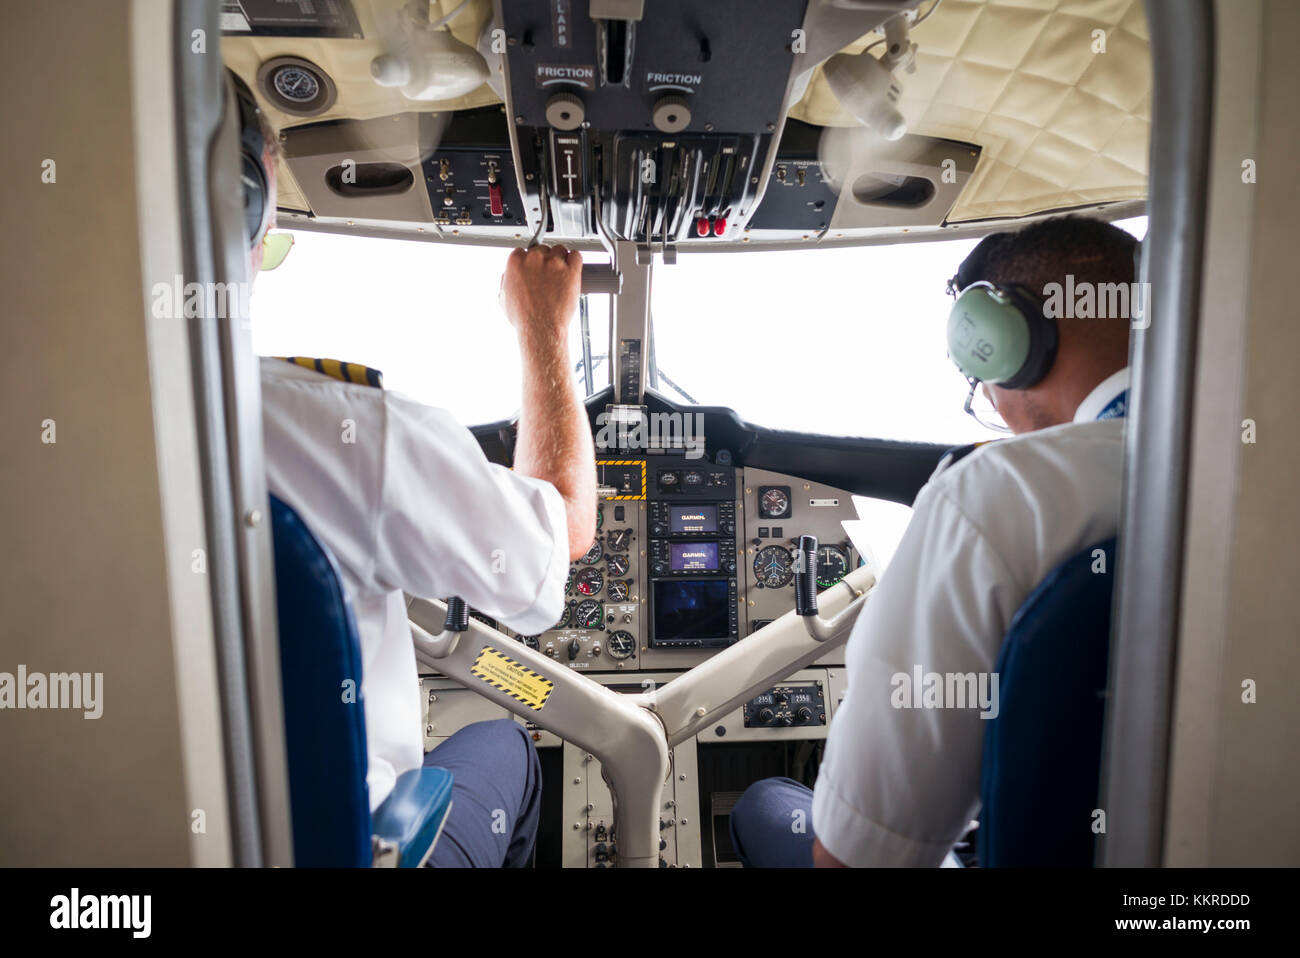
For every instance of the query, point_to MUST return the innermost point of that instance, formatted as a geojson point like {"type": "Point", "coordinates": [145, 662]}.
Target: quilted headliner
{"type": "Point", "coordinates": [1061, 126]}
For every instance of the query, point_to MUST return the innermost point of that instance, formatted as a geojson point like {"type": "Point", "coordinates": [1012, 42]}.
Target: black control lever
{"type": "Point", "coordinates": [457, 615]}
{"type": "Point", "coordinates": [805, 576]}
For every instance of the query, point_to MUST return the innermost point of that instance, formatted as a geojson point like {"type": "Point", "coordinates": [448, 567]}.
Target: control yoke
{"type": "Point", "coordinates": [805, 595]}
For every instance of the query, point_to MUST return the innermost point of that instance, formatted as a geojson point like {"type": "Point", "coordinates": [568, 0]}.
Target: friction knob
{"type": "Point", "coordinates": [565, 111]}
{"type": "Point", "coordinates": [671, 114]}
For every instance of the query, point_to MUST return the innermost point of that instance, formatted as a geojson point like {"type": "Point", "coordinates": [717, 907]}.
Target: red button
{"type": "Point", "coordinates": [702, 226]}
{"type": "Point", "coordinates": [494, 200]}
{"type": "Point", "coordinates": [720, 226]}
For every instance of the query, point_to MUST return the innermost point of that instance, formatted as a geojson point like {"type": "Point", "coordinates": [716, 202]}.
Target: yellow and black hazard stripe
{"type": "Point", "coordinates": [344, 372]}
{"type": "Point", "coordinates": [513, 678]}
{"type": "Point", "coordinates": [625, 462]}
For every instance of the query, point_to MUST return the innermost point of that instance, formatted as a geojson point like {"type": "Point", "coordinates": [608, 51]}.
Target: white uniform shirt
{"type": "Point", "coordinates": [411, 504]}
{"type": "Point", "coordinates": [898, 786]}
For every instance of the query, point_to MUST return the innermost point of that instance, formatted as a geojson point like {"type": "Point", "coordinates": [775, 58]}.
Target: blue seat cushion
{"type": "Point", "coordinates": [1041, 765]}
{"type": "Point", "coordinates": [413, 813]}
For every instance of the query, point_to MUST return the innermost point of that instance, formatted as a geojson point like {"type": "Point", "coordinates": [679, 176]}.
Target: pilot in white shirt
{"type": "Point", "coordinates": [900, 785]}
{"type": "Point", "coordinates": [405, 500]}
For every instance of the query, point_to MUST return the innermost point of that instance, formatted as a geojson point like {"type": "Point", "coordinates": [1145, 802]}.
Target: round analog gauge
{"type": "Point", "coordinates": [621, 644]}
{"type": "Point", "coordinates": [774, 503]}
{"type": "Point", "coordinates": [618, 590]}
{"type": "Point", "coordinates": [295, 83]}
{"type": "Point", "coordinates": [568, 583]}
{"type": "Point", "coordinates": [832, 565]}
{"type": "Point", "coordinates": [600, 517]}
{"type": "Point", "coordinates": [617, 565]}
{"type": "Point", "coordinates": [773, 567]}
{"type": "Point", "coordinates": [587, 614]}
{"type": "Point", "coordinates": [668, 480]}
{"type": "Point", "coordinates": [530, 641]}
{"type": "Point", "coordinates": [692, 478]}
{"type": "Point", "coordinates": [590, 581]}
{"type": "Point", "coordinates": [564, 616]}
{"type": "Point", "coordinates": [618, 539]}
{"type": "Point", "coordinates": [593, 554]}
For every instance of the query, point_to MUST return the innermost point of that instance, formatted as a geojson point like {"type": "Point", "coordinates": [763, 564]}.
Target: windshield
{"type": "Point", "coordinates": [844, 342]}
{"type": "Point", "coordinates": [425, 315]}
{"type": "Point", "coordinates": [836, 341]}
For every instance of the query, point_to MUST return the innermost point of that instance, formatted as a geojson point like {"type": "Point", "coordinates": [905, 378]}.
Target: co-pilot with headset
{"type": "Point", "coordinates": [411, 504]}
{"type": "Point", "coordinates": [900, 786]}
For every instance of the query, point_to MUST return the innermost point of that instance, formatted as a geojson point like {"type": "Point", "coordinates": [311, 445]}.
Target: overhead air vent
{"type": "Point", "coordinates": [368, 179]}
{"type": "Point", "coordinates": [890, 189]}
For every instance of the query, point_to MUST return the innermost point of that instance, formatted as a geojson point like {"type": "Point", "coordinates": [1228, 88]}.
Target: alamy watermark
{"type": "Point", "coordinates": [1071, 300]}
{"type": "Point", "coordinates": [656, 430]}
{"type": "Point", "coordinates": [945, 690]}
{"type": "Point", "coordinates": [53, 690]}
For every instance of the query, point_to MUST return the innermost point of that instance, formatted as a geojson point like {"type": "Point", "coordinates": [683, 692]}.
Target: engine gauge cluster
{"type": "Point", "coordinates": [598, 627]}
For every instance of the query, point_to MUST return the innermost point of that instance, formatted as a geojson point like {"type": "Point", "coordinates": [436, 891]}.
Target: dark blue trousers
{"type": "Point", "coordinates": [771, 825]}
{"type": "Point", "coordinates": [496, 796]}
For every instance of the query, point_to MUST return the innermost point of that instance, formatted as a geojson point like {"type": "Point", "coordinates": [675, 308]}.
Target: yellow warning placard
{"type": "Point", "coordinates": [518, 681]}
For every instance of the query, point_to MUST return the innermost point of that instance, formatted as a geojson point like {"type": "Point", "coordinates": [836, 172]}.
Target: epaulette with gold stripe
{"type": "Point", "coordinates": [958, 453]}
{"type": "Point", "coordinates": [344, 372]}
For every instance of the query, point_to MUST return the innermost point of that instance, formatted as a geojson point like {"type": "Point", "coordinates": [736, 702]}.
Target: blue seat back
{"type": "Point", "coordinates": [325, 725]}
{"type": "Point", "coordinates": [1041, 770]}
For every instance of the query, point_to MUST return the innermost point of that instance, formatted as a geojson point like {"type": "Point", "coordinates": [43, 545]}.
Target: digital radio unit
{"type": "Point", "coordinates": [692, 556]}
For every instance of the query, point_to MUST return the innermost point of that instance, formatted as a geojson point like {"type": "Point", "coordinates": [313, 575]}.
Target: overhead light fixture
{"type": "Point", "coordinates": [867, 87]}
{"type": "Point", "coordinates": [427, 62]}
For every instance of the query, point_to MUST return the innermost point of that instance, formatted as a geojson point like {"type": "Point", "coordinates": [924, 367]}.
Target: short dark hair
{"type": "Point", "coordinates": [1045, 252]}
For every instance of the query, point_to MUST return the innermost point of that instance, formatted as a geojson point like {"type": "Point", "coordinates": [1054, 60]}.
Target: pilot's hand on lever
{"type": "Point", "coordinates": [540, 289]}
{"type": "Point", "coordinates": [539, 293]}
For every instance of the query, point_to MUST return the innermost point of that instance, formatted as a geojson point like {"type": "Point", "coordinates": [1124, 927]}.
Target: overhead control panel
{"type": "Point", "coordinates": [652, 125]}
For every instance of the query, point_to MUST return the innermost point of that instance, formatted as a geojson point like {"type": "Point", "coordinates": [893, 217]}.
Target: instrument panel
{"type": "Point", "coordinates": [690, 557]}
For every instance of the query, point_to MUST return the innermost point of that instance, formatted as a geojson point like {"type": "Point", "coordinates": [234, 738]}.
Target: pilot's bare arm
{"type": "Point", "coordinates": [539, 293]}
{"type": "Point", "coordinates": [824, 859]}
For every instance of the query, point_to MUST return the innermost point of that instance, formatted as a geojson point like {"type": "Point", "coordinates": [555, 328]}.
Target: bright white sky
{"type": "Point", "coordinates": [842, 342]}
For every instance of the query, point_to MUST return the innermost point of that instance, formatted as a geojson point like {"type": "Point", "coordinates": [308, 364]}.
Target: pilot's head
{"type": "Point", "coordinates": [259, 147]}
{"type": "Point", "coordinates": [1016, 329]}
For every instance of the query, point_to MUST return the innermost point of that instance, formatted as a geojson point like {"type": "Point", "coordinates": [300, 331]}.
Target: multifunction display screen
{"type": "Point", "coordinates": [693, 556]}
{"type": "Point", "coordinates": [692, 519]}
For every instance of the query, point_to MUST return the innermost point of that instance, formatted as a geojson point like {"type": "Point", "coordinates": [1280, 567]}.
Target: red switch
{"type": "Point", "coordinates": [494, 200]}
{"type": "Point", "coordinates": [702, 226]}
{"type": "Point", "coordinates": [720, 226]}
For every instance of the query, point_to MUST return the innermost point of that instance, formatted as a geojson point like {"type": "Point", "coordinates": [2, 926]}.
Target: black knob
{"type": "Point", "coordinates": [602, 849]}
{"type": "Point", "coordinates": [804, 714]}
{"type": "Point", "coordinates": [728, 527]}
{"type": "Point", "coordinates": [457, 615]}
{"type": "Point", "coordinates": [765, 715]}
{"type": "Point", "coordinates": [659, 568]}
{"type": "Point", "coordinates": [574, 648]}
{"type": "Point", "coordinates": [786, 721]}
{"type": "Point", "coordinates": [662, 844]}
{"type": "Point", "coordinates": [662, 863]}
{"type": "Point", "coordinates": [657, 529]}
{"type": "Point", "coordinates": [729, 565]}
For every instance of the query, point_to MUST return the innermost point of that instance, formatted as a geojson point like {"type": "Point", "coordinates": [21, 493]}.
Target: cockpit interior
{"type": "Point", "coordinates": [702, 645]}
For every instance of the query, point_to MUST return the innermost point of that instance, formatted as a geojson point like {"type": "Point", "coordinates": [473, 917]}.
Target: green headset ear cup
{"type": "Point", "coordinates": [988, 337]}
{"type": "Point", "coordinates": [999, 335]}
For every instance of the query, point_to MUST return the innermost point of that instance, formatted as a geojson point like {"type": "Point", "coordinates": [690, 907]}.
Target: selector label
{"type": "Point", "coordinates": [657, 81]}
{"type": "Point", "coordinates": [518, 681]}
{"type": "Point", "coordinates": [566, 74]}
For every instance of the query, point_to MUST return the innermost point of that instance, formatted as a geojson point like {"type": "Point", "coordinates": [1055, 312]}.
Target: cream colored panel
{"type": "Point", "coordinates": [1061, 125]}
